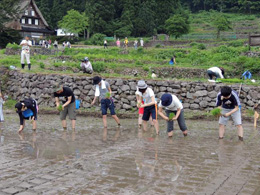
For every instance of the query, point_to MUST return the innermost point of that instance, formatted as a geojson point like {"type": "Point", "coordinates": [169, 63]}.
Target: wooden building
{"type": "Point", "coordinates": [31, 21]}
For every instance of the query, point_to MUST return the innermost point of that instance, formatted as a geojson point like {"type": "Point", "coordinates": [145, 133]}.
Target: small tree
{"type": "Point", "coordinates": [177, 25]}
{"type": "Point", "coordinates": [74, 22]}
{"type": "Point", "coordinates": [221, 23]}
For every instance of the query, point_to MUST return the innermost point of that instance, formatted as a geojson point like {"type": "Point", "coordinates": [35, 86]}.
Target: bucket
{"type": "Point", "coordinates": [27, 113]}
{"type": "Point", "coordinates": [77, 102]}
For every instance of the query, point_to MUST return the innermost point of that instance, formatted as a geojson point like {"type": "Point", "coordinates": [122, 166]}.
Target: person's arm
{"type": "Point", "coordinates": [57, 101]}
{"type": "Point", "coordinates": [21, 122]}
{"type": "Point", "coordinates": [94, 100]}
{"type": "Point", "coordinates": [149, 104]}
{"type": "Point", "coordinates": [160, 112]}
{"type": "Point", "coordinates": [138, 100]}
{"type": "Point", "coordinates": [68, 102]}
{"type": "Point", "coordinates": [231, 112]}
{"type": "Point", "coordinates": [29, 43]}
{"type": "Point", "coordinates": [174, 60]}
{"type": "Point", "coordinates": [177, 114]}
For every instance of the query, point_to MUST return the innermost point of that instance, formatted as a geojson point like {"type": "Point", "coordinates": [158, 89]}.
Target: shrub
{"type": "Point", "coordinates": [13, 46]}
{"type": "Point", "coordinates": [236, 43]}
{"type": "Point", "coordinates": [201, 46]}
{"type": "Point", "coordinates": [157, 46]}
{"type": "Point", "coordinates": [97, 39]}
{"type": "Point", "coordinates": [42, 66]}
{"type": "Point", "coordinates": [146, 68]}
{"type": "Point", "coordinates": [140, 50]}
{"type": "Point", "coordinates": [99, 66]}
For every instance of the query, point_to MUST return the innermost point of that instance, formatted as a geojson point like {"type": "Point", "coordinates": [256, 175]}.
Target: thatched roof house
{"type": "Point", "coordinates": [31, 21]}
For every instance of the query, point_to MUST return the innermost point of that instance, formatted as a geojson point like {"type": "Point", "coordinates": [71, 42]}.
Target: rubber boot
{"type": "Point", "coordinates": [23, 65]}
{"type": "Point", "coordinates": [29, 66]}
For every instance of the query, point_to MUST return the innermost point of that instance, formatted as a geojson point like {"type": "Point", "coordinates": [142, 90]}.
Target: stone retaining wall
{"type": "Point", "coordinates": [33, 51]}
{"type": "Point", "coordinates": [194, 95]}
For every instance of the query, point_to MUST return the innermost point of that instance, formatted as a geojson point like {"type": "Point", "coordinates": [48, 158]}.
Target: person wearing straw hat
{"type": "Point", "coordinates": [150, 104]}
{"type": "Point", "coordinates": [103, 91]}
{"type": "Point", "coordinates": [172, 105]}
{"type": "Point", "coordinates": [66, 95]}
{"type": "Point", "coordinates": [23, 106]}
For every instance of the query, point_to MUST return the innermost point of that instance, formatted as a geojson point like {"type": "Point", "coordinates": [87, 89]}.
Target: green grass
{"type": "Point", "coordinates": [10, 103]}
{"type": "Point", "coordinates": [171, 115]}
{"type": "Point", "coordinates": [59, 108]}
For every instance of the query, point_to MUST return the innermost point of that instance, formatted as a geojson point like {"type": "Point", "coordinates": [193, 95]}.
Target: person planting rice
{"type": "Point", "coordinates": [229, 102]}
{"type": "Point", "coordinates": [27, 109]}
{"type": "Point", "coordinates": [103, 91]}
{"type": "Point", "coordinates": [141, 110]}
{"type": "Point", "coordinates": [150, 105]}
{"type": "Point", "coordinates": [174, 111]}
{"type": "Point", "coordinates": [215, 72]}
{"type": "Point", "coordinates": [66, 95]}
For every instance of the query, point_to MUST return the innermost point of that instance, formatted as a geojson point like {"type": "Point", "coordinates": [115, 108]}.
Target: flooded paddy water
{"type": "Point", "coordinates": [126, 160]}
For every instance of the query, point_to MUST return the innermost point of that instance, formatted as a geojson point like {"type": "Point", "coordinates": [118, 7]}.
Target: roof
{"type": "Point", "coordinates": [23, 4]}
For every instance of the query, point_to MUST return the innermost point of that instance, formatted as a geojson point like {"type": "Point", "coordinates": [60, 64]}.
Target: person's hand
{"type": "Point", "coordinates": [174, 118]}
{"type": "Point", "coordinates": [92, 103]}
{"type": "Point", "coordinates": [225, 115]}
{"type": "Point", "coordinates": [167, 119]}
{"type": "Point", "coordinates": [142, 106]}
{"type": "Point", "coordinates": [63, 107]}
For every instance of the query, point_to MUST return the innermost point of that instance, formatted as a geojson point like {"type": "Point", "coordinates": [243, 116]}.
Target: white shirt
{"type": "Point", "coordinates": [26, 47]}
{"type": "Point", "coordinates": [142, 42]}
{"type": "Point", "coordinates": [147, 96]}
{"type": "Point", "coordinates": [87, 65]}
{"type": "Point", "coordinates": [216, 70]}
{"type": "Point", "coordinates": [176, 104]}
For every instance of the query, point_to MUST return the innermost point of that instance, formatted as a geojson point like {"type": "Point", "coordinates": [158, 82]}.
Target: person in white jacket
{"type": "Point", "coordinates": [25, 53]}
{"type": "Point", "coordinates": [86, 66]}
{"type": "Point", "coordinates": [215, 72]}
{"type": "Point", "coordinates": [1, 108]}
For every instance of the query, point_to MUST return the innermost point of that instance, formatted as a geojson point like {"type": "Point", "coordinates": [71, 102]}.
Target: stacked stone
{"type": "Point", "coordinates": [194, 95]}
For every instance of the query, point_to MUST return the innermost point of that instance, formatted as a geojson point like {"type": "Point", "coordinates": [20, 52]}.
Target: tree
{"type": "Point", "coordinates": [73, 22]}
{"type": "Point", "coordinates": [177, 25]}
{"type": "Point", "coordinates": [221, 23]}
{"type": "Point", "coordinates": [9, 10]}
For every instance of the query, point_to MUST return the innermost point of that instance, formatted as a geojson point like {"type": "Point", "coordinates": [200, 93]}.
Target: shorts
{"type": "Point", "coordinates": [236, 117]}
{"type": "Point", "coordinates": [148, 111]}
{"type": "Point", "coordinates": [108, 103]}
{"type": "Point", "coordinates": [69, 110]}
{"type": "Point", "coordinates": [141, 110]}
{"type": "Point", "coordinates": [180, 120]}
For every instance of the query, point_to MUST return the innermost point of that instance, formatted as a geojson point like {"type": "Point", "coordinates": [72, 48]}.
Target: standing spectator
{"type": "Point", "coordinates": [26, 44]}
{"type": "Point", "coordinates": [25, 105]}
{"type": "Point", "coordinates": [229, 103]}
{"type": "Point", "coordinates": [1, 108]}
{"type": "Point", "coordinates": [141, 42]}
{"type": "Point", "coordinates": [55, 44]}
{"type": "Point", "coordinates": [64, 44]}
{"type": "Point", "coordinates": [215, 72]}
{"type": "Point", "coordinates": [67, 97]}
{"type": "Point", "coordinates": [68, 44]}
{"type": "Point", "coordinates": [126, 42]}
{"type": "Point", "coordinates": [105, 44]}
{"type": "Point", "coordinates": [86, 66]}
{"type": "Point", "coordinates": [135, 44]}
{"type": "Point", "coordinates": [118, 43]}
{"type": "Point", "coordinates": [172, 105]}
{"type": "Point", "coordinates": [150, 104]}
{"type": "Point", "coordinates": [49, 42]}
{"type": "Point", "coordinates": [103, 91]}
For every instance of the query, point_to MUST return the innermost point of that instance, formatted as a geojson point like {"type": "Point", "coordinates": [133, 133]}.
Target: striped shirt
{"type": "Point", "coordinates": [229, 103]}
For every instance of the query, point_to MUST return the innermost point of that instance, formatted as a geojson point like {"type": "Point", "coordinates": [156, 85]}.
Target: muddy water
{"type": "Point", "coordinates": [126, 160]}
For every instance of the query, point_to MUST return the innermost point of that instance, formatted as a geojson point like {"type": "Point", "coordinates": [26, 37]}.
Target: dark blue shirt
{"type": "Point", "coordinates": [229, 103]}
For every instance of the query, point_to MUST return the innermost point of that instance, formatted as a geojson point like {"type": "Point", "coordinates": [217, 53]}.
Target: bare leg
{"type": "Point", "coordinates": [145, 125]}
{"type": "Point", "coordinates": [170, 134]}
{"type": "Point", "coordinates": [64, 124]}
{"type": "Point", "coordinates": [34, 125]}
{"type": "Point", "coordinates": [156, 125]}
{"type": "Point", "coordinates": [240, 130]}
{"type": "Point", "coordinates": [256, 116]}
{"type": "Point", "coordinates": [73, 124]}
{"type": "Point", "coordinates": [140, 120]}
{"type": "Point", "coordinates": [151, 121]}
{"type": "Point", "coordinates": [105, 121]}
{"type": "Point", "coordinates": [221, 131]}
{"type": "Point", "coordinates": [116, 119]}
